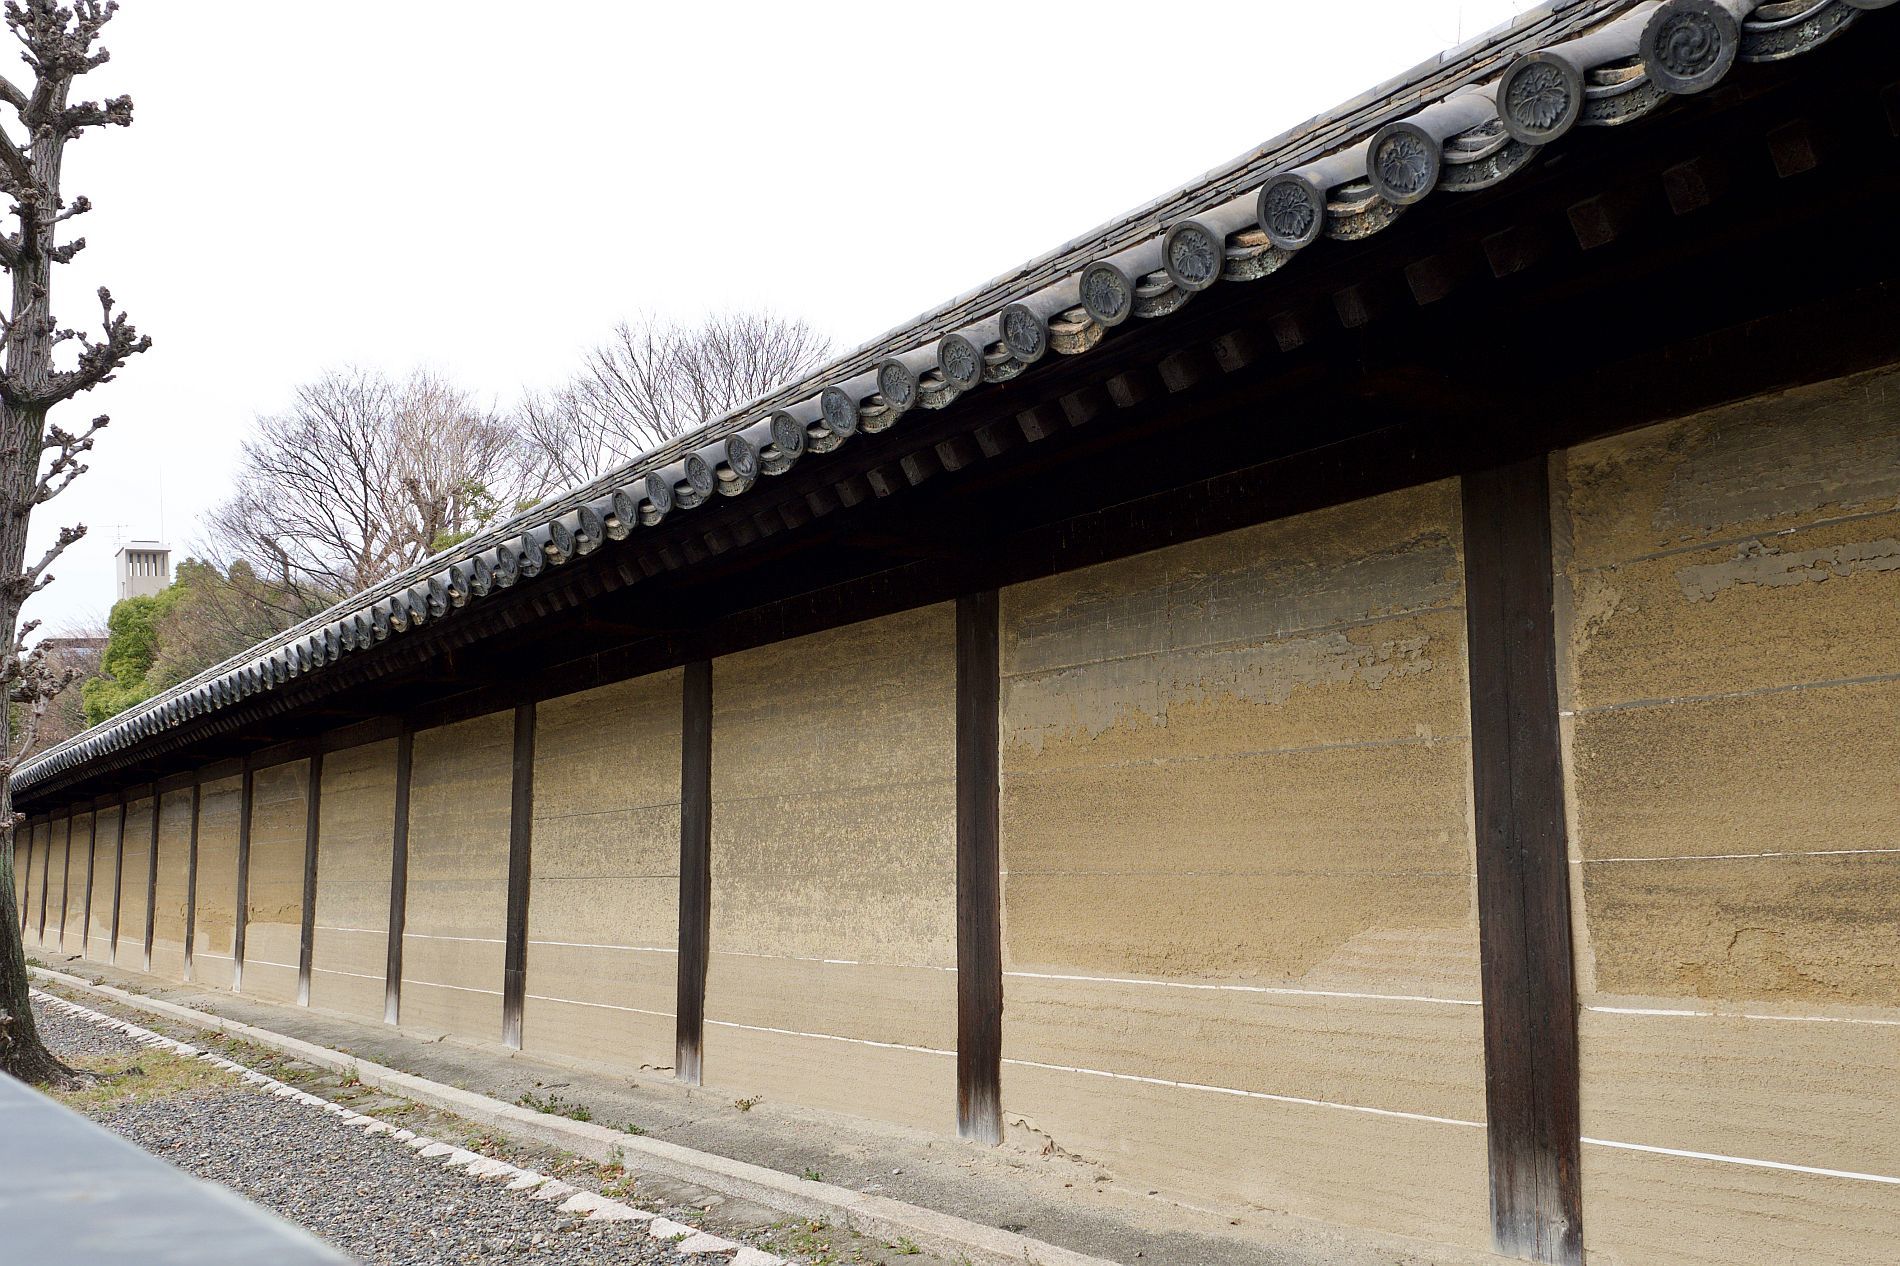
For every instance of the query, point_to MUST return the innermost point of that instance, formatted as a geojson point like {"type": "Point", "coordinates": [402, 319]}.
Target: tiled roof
{"type": "Point", "coordinates": [1464, 121]}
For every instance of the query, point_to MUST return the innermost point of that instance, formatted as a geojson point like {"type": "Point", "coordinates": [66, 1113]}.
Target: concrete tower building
{"type": "Point", "coordinates": [144, 568]}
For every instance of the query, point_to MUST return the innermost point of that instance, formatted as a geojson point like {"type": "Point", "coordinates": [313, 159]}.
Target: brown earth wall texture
{"type": "Point", "coordinates": [214, 925]}
{"type": "Point", "coordinates": [45, 905]}
{"type": "Point", "coordinates": [273, 934]}
{"type": "Point", "coordinates": [834, 871]}
{"type": "Point", "coordinates": [172, 892]}
{"type": "Point", "coordinates": [60, 875]}
{"type": "Point", "coordinates": [459, 805]}
{"type": "Point", "coordinates": [134, 880]}
{"type": "Point", "coordinates": [73, 932]}
{"type": "Point", "coordinates": [603, 911]}
{"type": "Point", "coordinates": [1729, 625]}
{"type": "Point", "coordinates": [356, 815]}
{"type": "Point", "coordinates": [105, 878]}
{"type": "Point", "coordinates": [1238, 855]}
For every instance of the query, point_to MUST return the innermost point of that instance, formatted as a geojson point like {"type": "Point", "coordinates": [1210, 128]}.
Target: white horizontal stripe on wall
{"type": "Point", "coordinates": [1674, 1013]}
{"type": "Point", "coordinates": [1848, 1174]}
{"type": "Point", "coordinates": [430, 984]}
{"type": "Point", "coordinates": [602, 1006]}
{"type": "Point", "coordinates": [631, 949]}
{"type": "Point", "coordinates": [1739, 857]}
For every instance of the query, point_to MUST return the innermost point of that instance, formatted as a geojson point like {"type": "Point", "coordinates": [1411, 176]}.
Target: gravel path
{"type": "Point", "coordinates": [369, 1196]}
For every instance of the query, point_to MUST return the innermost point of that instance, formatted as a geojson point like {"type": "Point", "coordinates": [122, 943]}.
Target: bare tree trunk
{"type": "Point", "coordinates": [58, 43]}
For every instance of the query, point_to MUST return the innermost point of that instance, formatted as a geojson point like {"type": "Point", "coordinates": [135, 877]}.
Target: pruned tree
{"type": "Point", "coordinates": [654, 380]}
{"type": "Point", "coordinates": [74, 654]}
{"type": "Point", "coordinates": [46, 365]}
{"type": "Point", "coordinates": [362, 476]}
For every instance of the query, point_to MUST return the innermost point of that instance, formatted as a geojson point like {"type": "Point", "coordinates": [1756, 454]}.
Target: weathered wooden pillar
{"type": "Point", "coordinates": [46, 877]}
{"type": "Point", "coordinates": [312, 818]}
{"type": "Point", "coordinates": [65, 880]}
{"type": "Point", "coordinates": [1530, 1024]}
{"type": "Point", "coordinates": [242, 917]}
{"type": "Point", "coordinates": [514, 974]}
{"type": "Point", "coordinates": [979, 918]}
{"type": "Point", "coordinates": [191, 879]}
{"type": "Point", "coordinates": [151, 879]}
{"type": "Point", "coordinates": [118, 880]}
{"type": "Point", "coordinates": [92, 861]}
{"type": "Point", "coordinates": [695, 869]}
{"type": "Point", "coordinates": [398, 878]}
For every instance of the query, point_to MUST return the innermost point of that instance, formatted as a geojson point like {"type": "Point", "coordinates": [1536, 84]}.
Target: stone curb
{"type": "Point", "coordinates": [879, 1217]}
{"type": "Point", "coordinates": [685, 1239]}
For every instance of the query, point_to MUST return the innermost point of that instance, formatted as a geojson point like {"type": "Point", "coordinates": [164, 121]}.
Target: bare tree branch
{"type": "Point", "coordinates": [654, 380]}
{"type": "Point", "coordinates": [360, 478]}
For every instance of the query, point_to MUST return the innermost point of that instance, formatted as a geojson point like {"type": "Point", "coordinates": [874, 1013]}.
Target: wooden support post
{"type": "Point", "coordinates": [118, 880]}
{"type": "Point", "coordinates": [191, 879]}
{"type": "Point", "coordinates": [695, 868]}
{"type": "Point", "coordinates": [245, 789]}
{"type": "Point", "coordinates": [92, 862]}
{"type": "Point", "coordinates": [312, 818]}
{"type": "Point", "coordinates": [398, 879]}
{"type": "Point", "coordinates": [151, 880]}
{"type": "Point", "coordinates": [979, 920]}
{"type": "Point", "coordinates": [65, 880]}
{"type": "Point", "coordinates": [1530, 1024]}
{"type": "Point", "coordinates": [514, 976]}
{"type": "Point", "coordinates": [46, 879]}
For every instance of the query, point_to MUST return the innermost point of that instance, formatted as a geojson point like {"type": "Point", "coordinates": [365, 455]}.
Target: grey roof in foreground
{"type": "Point", "coordinates": [1466, 120]}
{"type": "Point", "coordinates": [72, 1191]}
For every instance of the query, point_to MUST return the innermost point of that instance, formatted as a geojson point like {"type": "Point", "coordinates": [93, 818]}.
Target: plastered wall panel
{"type": "Point", "coordinates": [1238, 853]}
{"type": "Point", "coordinates": [30, 868]}
{"type": "Point", "coordinates": [172, 891]}
{"type": "Point", "coordinates": [69, 878]}
{"type": "Point", "coordinates": [356, 833]}
{"type": "Point", "coordinates": [215, 922]}
{"type": "Point", "coordinates": [105, 879]}
{"type": "Point", "coordinates": [73, 937]}
{"type": "Point", "coordinates": [134, 878]}
{"type": "Point", "coordinates": [46, 903]}
{"type": "Point", "coordinates": [834, 837]}
{"type": "Point", "coordinates": [273, 937]}
{"type": "Point", "coordinates": [603, 911]}
{"type": "Point", "coordinates": [1309, 1160]}
{"type": "Point", "coordinates": [38, 842]}
{"type": "Point", "coordinates": [459, 805]}
{"type": "Point", "coordinates": [1643, 1209]}
{"type": "Point", "coordinates": [1727, 591]}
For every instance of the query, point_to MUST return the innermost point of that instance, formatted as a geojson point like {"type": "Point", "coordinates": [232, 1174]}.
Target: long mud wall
{"type": "Point", "coordinates": [1236, 806]}
{"type": "Point", "coordinates": [102, 882]}
{"type": "Point", "coordinates": [214, 900]}
{"type": "Point", "coordinates": [273, 934]}
{"type": "Point", "coordinates": [459, 804]}
{"type": "Point", "coordinates": [1729, 616]}
{"type": "Point", "coordinates": [603, 917]}
{"type": "Point", "coordinates": [349, 946]}
{"type": "Point", "coordinates": [171, 894]}
{"type": "Point", "coordinates": [134, 883]}
{"type": "Point", "coordinates": [1239, 914]}
{"type": "Point", "coordinates": [831, 980]}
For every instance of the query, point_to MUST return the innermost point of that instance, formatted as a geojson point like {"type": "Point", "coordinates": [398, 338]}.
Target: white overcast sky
{"type": "Point", "coordinates": [484, 188]}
